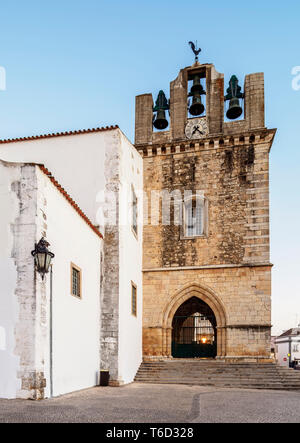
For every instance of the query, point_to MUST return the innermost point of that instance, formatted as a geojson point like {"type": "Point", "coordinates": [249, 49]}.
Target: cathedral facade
{"type": "Point", "coordinates": [206, 268]}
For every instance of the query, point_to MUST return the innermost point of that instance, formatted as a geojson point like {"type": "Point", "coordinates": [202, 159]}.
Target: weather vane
{"type": "Point", "coordinates": [195, 50]}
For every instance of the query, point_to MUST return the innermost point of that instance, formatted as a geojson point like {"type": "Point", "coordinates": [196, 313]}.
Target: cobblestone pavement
{"type": "Point", "coordinates": [138, 403]}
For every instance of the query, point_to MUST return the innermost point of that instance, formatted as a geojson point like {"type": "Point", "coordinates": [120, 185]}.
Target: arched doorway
{"type": "Point", "coordinates": [194, 330]}
{"type": "Point", "coordinates": [211, 299]}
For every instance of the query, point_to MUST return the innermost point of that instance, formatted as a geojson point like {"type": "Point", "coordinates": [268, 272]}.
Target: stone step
{"type": "Point", "coordinates": [217, 377]}
{"type": "Point", "coordinates": [228, 376]}
{"type": "Point", "coordinates": [206, 362]}
{"type": "Point", "coordinates": [228, 385]}
{"type": "Point", "coordinates": [221, 370]}
{"type": "Point", "coordinates": [190, 372]}
{"type": "Point", "coordinates": [223, 380]}
{"type": "Point", "coordinates": [235, 370]}
{"type": "Point", "coordinates": [203, 377]}
{"type": "Point", "coordinates": [203, 363]}
{"type": "Point", "coordinates": [216, 380]}
{"type": "Point", "coordinates": [219, 374]}
{"type": "Point", "coordinates": [279, 387]}
{"type": "Point", "coordinates": [204, 367]}
{"type": "Point", "coordinates": [262, 373]}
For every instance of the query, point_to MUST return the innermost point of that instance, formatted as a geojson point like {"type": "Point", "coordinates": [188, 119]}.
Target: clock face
{"type": "Point", "coordinates": [196, 128]}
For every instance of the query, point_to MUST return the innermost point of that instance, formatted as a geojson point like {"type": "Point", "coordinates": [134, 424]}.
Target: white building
{"type": "Point", "coordinates": [52, 342]}
{"type": "Point", "coordinates": [288, 347]}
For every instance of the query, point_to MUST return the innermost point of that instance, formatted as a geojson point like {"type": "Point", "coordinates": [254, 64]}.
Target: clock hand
{"type": "Point", "coordinates": [197, 129]}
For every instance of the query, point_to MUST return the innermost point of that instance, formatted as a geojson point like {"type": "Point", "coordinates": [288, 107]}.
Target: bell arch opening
{"type": "Point", "coordinates": [194, 330]}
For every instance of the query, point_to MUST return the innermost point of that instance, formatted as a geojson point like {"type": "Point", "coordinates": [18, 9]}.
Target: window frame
{"type": "Point", "coordinates": [133, 288]}
{"type": "Point", "coordinates": [134, 204]}
{"type": "Point", "coordinates": [184, 235]}
{"type": "Point", "coordinates": [76, 268]}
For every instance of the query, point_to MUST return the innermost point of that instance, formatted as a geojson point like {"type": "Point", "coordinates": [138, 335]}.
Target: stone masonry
{"type": "Point", "coordinates": [31, 328]}
{"type": "Point", "coordinates": [110, 282]}
{"type": "Point", "coordinates": [229, 267]}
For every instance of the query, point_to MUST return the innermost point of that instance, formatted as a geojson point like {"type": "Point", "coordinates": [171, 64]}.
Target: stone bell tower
{"type": "Point", "coordinates": [207, 278]}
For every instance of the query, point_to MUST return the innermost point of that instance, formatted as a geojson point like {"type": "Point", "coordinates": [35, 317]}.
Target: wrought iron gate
{"type": "Point", "coordinates": [194, 337]}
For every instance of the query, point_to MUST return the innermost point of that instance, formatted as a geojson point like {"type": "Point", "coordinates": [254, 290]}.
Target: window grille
{"type": "Point", "coordinates": [134, 212]}
{"type": "Point", "coordinates": [133, 300]}
{"type": "Point", "coordinates": [194, 218]}
{"type": "Point", "coordinates": [75, 281]}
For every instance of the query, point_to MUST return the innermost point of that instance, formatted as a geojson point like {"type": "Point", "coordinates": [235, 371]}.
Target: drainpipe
{"type": "Point", "coordinates": [51, 332]}
{"type": "Point", "coordinates": [290, 351]}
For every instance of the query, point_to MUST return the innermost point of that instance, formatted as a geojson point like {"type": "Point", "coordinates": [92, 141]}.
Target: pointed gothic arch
{"type": "Point", "coordinates": [205, 294]}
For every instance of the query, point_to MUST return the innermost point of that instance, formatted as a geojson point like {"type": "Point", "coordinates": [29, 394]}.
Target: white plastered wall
{"type": "Point", "coordinates": [76, 322]}
{"type": "Point", "coordinates": [76, 161]}
{"type": "Point", "coordinates": [22, 363]}
{"type": "Point", "coordinates": [285, 346]}
{"type": "Point", "coordinates": [9, 362]}
{"type": "Point", "coordinates": [295, 346]}
{"type": "Point", "coordinates": [24, 297]}
{"type": "Point", "coordinates": [79, 163]}
{"type": "Point", "coordinates": [130, 249]}
{"type": "Point", "coordinates": [283, 351]}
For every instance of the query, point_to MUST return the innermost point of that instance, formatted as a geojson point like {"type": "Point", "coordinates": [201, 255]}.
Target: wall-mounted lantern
{"type": "Point", "coordinates": [42, 257]}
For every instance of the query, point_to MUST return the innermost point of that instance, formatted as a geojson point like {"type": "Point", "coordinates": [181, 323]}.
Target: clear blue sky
{"type": "Point", "coordinates": [79, 64]}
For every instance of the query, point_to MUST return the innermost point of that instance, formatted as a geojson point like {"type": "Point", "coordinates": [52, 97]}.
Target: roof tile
{"type": "Point", "coordinates": [59, 134]}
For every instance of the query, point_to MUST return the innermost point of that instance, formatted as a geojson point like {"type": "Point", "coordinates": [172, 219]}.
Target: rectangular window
{"type": "Point", "coordinates": [194, 218]}
{"type": "Point", "coordinates": [134, 212]}
{"type": "Point", "coordinates": [133, 299]}
{"type": "Point", "coordinates": [296, 348]}
{"type": "Point", "coordinates": [76, 281]}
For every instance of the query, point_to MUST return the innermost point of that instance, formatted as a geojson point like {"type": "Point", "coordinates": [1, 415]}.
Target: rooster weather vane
{"type": "Point", "coordinates": [195, 51]}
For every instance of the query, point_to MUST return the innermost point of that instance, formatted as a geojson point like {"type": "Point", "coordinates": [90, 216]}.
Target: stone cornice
{"type": "Point", "coordinates": [213, 142]}
{"type": "Point", "coordinates": [195, 268]}
{"type": "Point", "coordinates": [246, 326]}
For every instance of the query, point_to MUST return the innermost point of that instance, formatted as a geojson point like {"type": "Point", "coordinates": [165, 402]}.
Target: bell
{"type": "Point", "coordinates": [160, 122]}
{"type": "Point", "coordinates": [197, 87]}
{"type": "Point", "coordinates": [235, 110]}
{"type": "Point", "coordinates": [234, 93]}
{"type": "Point", "coordinates": [197, 107]}
{"type": "Point", "coordinates": [161, 106]}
